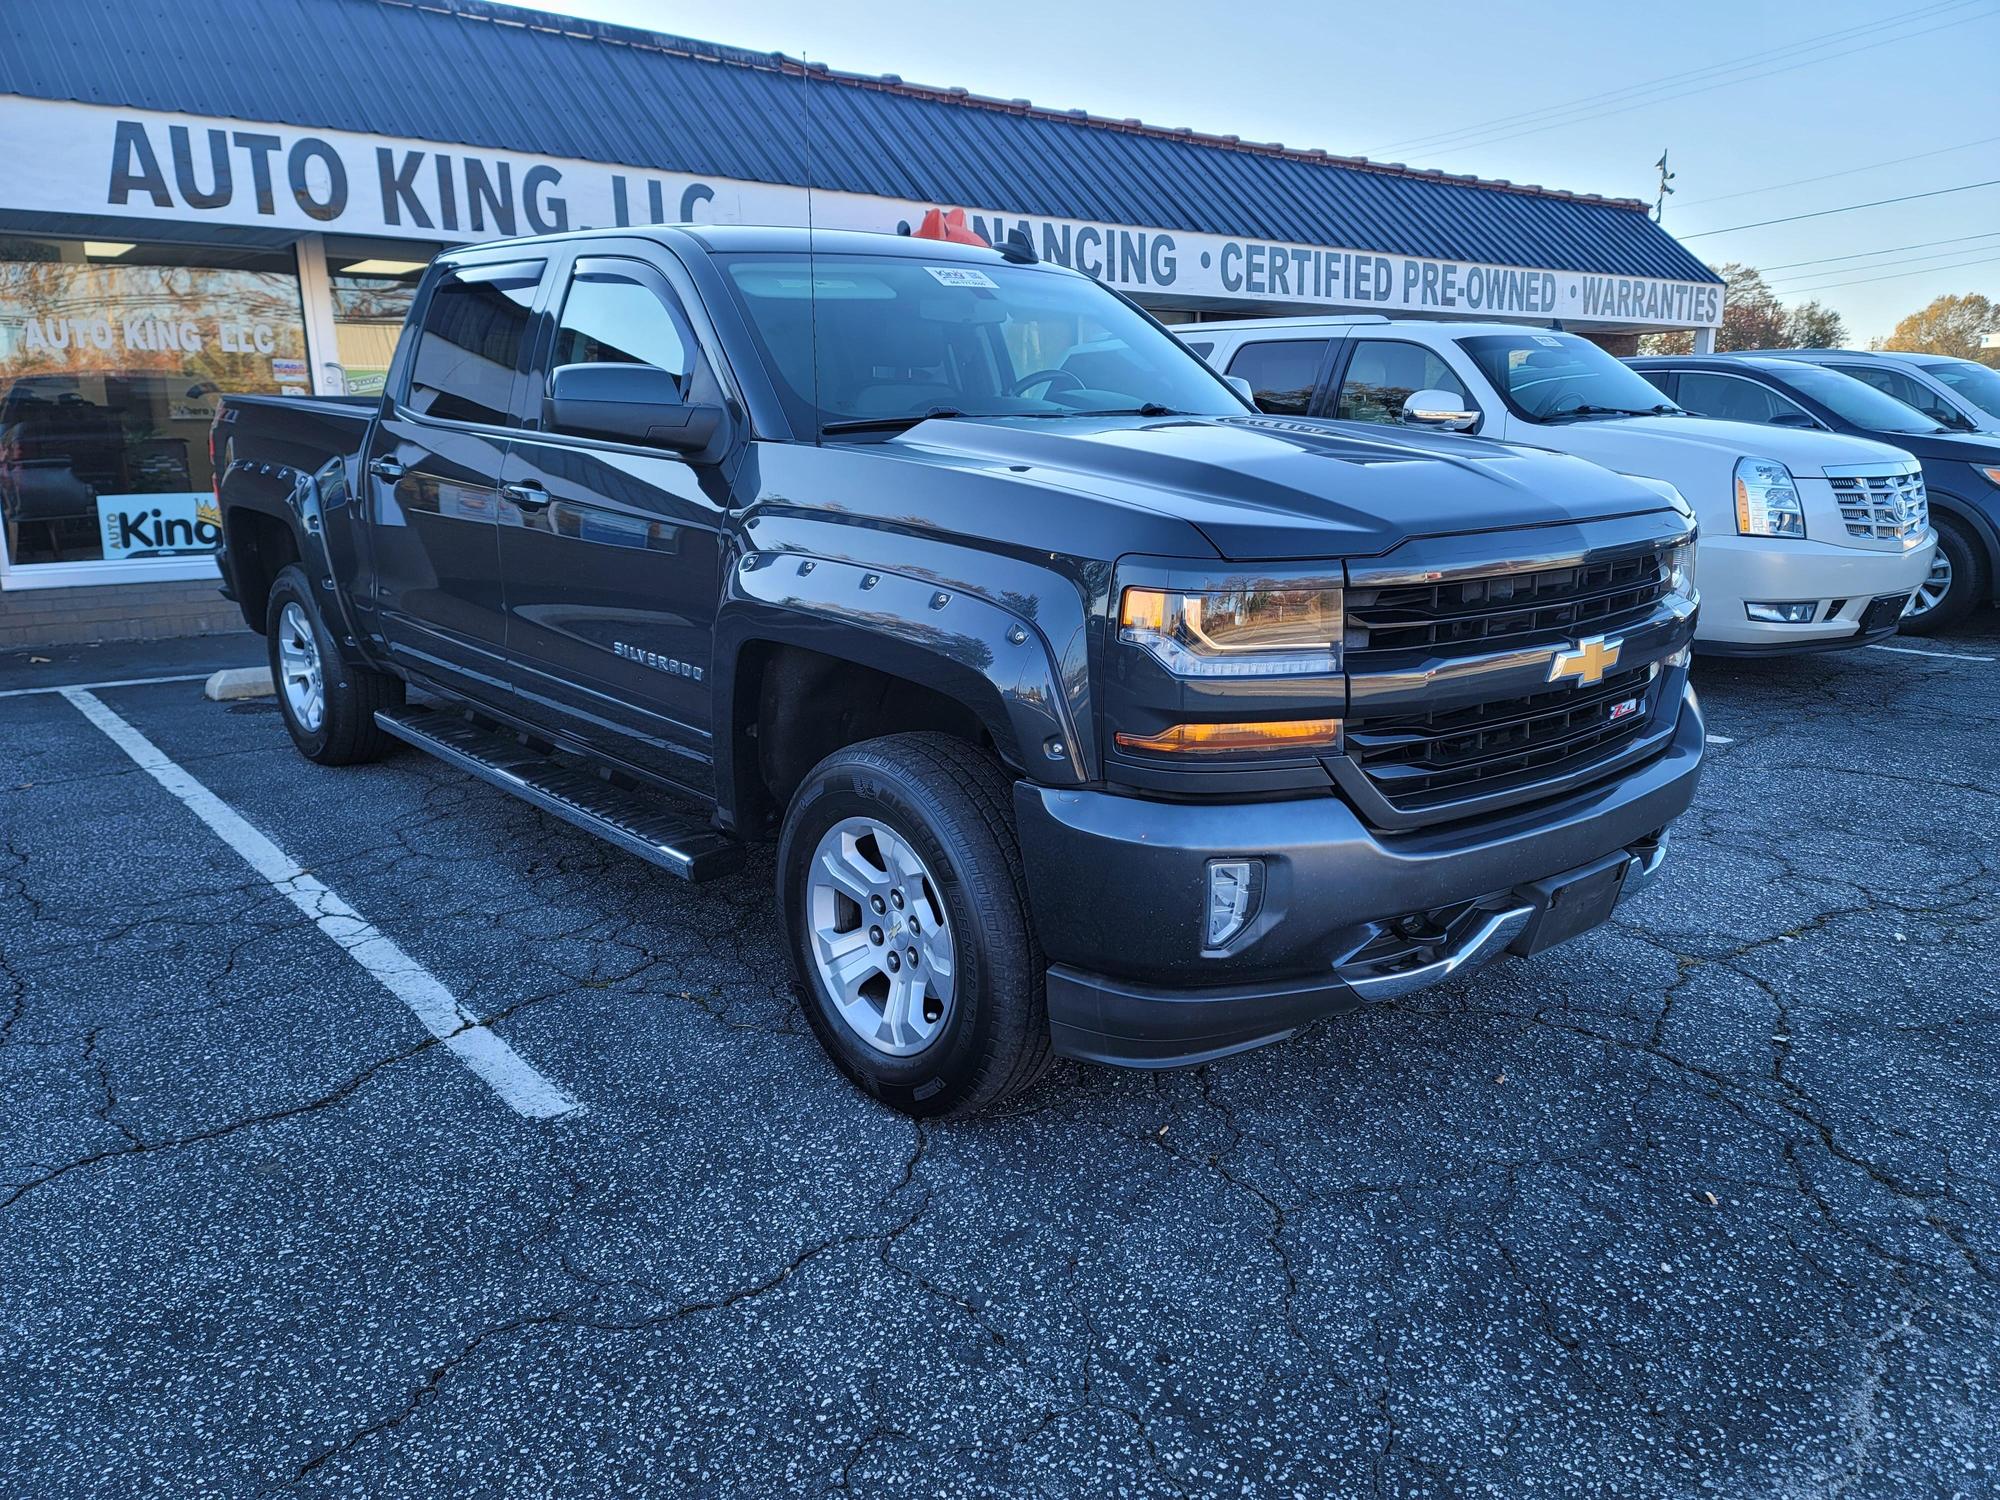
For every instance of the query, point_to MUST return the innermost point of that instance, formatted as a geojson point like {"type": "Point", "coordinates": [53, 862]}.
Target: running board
{"type": "Point", "coordinates": [636, 823]}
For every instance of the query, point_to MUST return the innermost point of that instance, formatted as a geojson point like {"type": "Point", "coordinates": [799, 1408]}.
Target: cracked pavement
{"type": "Point", "coordinates": [1704, 1202]}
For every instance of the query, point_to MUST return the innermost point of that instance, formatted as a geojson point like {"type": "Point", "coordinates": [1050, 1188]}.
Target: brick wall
{"type": "Point", "coordinates": [114, 612]}
{"type": "Point", "coordinates": [1624, 345]}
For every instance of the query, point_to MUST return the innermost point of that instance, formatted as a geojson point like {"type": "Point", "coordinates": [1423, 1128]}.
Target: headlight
{"type": "Point", "coordinates": [1767, 501]}
{"type": "Point", "coordinates": [1261, 629]}
{"type": "Point", "coordinates": [1989, 474]}
{"type": "Point", "coordinates": [1679, 562]}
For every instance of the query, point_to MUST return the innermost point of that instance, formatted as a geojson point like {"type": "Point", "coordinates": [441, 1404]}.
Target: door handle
{"type": "Point", "coordinates": [387, 468]}
{"type": "Point", "coordinates": [527, 496]}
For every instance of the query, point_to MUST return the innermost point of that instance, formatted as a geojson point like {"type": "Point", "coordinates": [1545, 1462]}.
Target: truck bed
{"type": "Point", "coordinates": [298, 432]}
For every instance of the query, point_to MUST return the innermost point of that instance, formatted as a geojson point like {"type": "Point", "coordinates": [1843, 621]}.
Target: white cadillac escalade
{"type": "Point", "coordinates": [1781, 566]}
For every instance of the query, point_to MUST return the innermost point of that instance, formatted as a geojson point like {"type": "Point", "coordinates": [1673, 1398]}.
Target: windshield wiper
{"type": "Point", "coordinates": [1146, 409]}
{"type": "Point", "coordinates": [889, 424]}
{"type": "Point", "coordinates": [1587, 410]}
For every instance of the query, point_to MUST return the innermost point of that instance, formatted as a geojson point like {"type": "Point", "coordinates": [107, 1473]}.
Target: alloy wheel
{"type": "Point", "coordinates": [1930, 593]}
{"type": "Point", "coordinates": [299, 668]}
{"type": "Point", "coordinates": [881, 939]}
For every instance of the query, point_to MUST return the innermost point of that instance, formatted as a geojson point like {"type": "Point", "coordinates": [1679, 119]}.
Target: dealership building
{"type": "Point", "coordinates": [239, 195]}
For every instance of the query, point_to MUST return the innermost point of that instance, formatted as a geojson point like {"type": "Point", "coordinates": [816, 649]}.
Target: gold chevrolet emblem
{"type": "Point", "coordinates": [1592, 658]}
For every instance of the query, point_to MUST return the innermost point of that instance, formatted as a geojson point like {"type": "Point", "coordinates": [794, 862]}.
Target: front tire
{"type": "Point", "coordinates": [1957, 582]}
{"type": "Point", "coordinates": [329, 706]}
{"type": "Point", "coordinates": [906, 909]}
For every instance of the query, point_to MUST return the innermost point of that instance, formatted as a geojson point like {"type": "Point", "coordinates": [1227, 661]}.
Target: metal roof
{"type": "Point", "coordinates": [478, 74]}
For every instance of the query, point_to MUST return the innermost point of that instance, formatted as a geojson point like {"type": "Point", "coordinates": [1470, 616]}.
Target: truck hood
{"type": "Point", "coordinates": [1649, 445]}
{"type": "Point", "coordinates": [1268, 488]}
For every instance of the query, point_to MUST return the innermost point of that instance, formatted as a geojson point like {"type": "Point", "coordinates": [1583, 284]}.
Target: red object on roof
{"type": "Point", "coordinates": [940, 224]}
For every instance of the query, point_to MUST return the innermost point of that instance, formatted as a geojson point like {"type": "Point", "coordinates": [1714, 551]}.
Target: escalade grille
{"type": "Point", "coordinates": [1885, 507]}
{"type": "Point", "coordinates": [1449, 619]}
{"type": "Point", "coordinates": [1426, 759]}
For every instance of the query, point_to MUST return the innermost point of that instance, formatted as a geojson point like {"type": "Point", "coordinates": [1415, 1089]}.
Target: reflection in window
{"type": "Point", "coordinates": [1282, 373]}
{"type": "Point", "coordinates": [474, 331]}
{"type": "Point", "coordinates": [1383, 374]}
{"type": "Point", "coordinates": [609, 319]}
{"type": "Point", "coordinates": [112, 357]}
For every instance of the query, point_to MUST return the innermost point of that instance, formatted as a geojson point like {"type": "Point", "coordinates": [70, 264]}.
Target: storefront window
{"type": "Point", "coordinates": [112, 356]}
{"type": "Point", "coordinates": [374, 282]}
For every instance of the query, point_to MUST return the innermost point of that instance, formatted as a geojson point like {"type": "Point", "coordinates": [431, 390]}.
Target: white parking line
{"type": "Point", "coordinates": [1720, 739]}
{"type": "Point", "coordinates": [501, 1068]}
{"type": "Point", "coordinates": [84, 686]}
{"type": "Point", "coordinates": [1946, 655]}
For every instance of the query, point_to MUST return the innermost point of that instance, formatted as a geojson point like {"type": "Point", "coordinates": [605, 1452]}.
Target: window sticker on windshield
{"type": "Point", "coordinates": [962, 276]}
{"type": "Point", "coordinates": [1543, 338]}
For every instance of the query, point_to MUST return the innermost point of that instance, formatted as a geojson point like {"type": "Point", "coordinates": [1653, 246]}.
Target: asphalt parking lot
{"type": "Point", "coordinates": [1705, 1202]}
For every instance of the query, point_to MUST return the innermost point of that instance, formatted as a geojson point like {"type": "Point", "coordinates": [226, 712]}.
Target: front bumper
{"type": "Point", "coordinates": [1119, 886]}
{"type": "Point", "coordinates": [1840, 582]}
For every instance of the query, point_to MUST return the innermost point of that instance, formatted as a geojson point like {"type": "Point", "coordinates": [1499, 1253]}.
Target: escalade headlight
{"type": "Point", "coordinates": [1767, 501]}
{"type": "Point", "coordinates": [1260, 629]}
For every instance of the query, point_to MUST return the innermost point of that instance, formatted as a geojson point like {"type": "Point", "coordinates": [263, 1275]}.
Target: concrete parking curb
{"type": "Point", "coordinates": [239, 682]}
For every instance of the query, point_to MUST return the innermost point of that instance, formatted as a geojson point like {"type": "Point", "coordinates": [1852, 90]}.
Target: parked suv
{"type": "Point", "coordinates": [1089, 710]}
{"type": "Point", "coordinates": [1960, 395]}
{"type": "Point", "coordinates": [1961, 470]}
{"type": "Point", "coordinates": [1782, 568]}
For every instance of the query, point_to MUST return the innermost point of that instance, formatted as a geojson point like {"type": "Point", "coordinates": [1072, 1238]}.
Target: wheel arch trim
{"type": "Point", "coordinates": [993, 660]}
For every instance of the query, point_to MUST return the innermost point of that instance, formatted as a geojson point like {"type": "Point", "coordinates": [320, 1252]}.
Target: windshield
{"type": "Point", "coordinates": [1855, 401]}
{"type": "Point", "coordinates": [1548, 377]}
{"type": "Point", "coordinates": [898, 337]}
{"type": "Point", "coordinates": [1974, 383]}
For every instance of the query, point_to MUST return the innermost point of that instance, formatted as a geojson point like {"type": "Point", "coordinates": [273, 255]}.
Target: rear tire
{"type": "Point", "coordinates": [329, 706]}
{"type": "Point", "coordinates": [906, 910]}
{"type": "Point", "coordinates": [1965, 584]}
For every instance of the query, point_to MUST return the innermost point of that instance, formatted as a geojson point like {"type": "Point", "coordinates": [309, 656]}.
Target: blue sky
{"type": "Point", "coordinates": [1917, 90]}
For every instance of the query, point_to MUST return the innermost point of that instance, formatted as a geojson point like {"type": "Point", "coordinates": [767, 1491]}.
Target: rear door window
{"type": "Point", "coordinates": [475, 333]}
{"type": "Point", "coordinates": [1283, 373]}
{"type": "Point", "coordinates": [1384, 373]}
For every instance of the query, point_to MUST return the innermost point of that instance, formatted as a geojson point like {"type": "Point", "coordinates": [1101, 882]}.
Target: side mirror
{"type": "Point", "coordinates": [629, 404]}
{"type": "Point", "coordinates": [1242, 388]}
{"type": "Point", "coordinates": [1438, 409]}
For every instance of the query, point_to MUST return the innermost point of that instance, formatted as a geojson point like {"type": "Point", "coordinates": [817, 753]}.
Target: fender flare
{"type": "Point", "coordinates": [301, 499]}
{"type": "Point", "coordinates": [992, 659]}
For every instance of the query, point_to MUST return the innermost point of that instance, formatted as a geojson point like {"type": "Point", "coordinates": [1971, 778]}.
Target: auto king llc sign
{"type": "Point", "coordinates": [77, 158]}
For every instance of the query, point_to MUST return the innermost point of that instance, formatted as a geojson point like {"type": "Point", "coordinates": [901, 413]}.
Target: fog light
{"type": "Point", "coordinates": [1232, 898]}
{"type": "Point", "coordinates": [1782, 614]}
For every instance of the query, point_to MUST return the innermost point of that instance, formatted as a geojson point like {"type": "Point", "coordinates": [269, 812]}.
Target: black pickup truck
{"type": "Point", "coordinates": [1092, 712]}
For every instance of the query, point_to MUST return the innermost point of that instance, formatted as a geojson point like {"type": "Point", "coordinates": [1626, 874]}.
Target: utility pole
{"type": "Point", "coordinates": [1666, 178]}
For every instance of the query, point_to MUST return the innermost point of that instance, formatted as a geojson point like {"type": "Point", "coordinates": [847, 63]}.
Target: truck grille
{"type": "Point", "coordinates": [1422, 760]}
{"type": "Point", "coordinates": [1448, 619]}
{"type": "Point", "coordinates": [1884, 507]}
